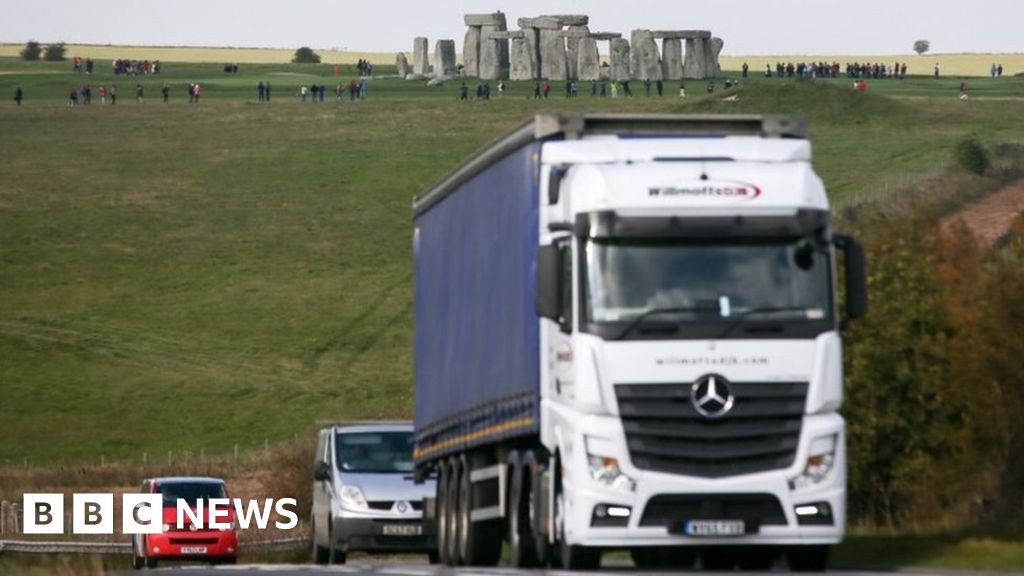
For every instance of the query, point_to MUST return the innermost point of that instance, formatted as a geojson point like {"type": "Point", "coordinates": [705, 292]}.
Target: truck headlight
{"type": "Point", "coordinates": [352, 498]}
{"type": "Point", "coordinates": [821, 459]}
{"type": "Point", "coordinates": [605, 469]}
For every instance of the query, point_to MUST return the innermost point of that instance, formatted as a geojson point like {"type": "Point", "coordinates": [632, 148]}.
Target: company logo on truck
{"type": "Point", "coordinates": [731, 190]}
{"type": "Point", "coordinates": [711, 396]}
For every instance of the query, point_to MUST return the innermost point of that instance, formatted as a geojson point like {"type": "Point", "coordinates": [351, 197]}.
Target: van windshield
{"type": "Point", "coordinates": [191, 492]}
{"type": "Point", "coordinates": [374, 452]}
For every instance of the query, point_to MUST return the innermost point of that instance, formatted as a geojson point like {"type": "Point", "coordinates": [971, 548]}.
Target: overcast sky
{"type": "Point", "coordinates": [748, 26]}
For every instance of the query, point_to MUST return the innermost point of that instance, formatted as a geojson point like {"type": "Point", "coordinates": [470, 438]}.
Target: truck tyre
{"type": "Point", "coordinates": [479, 542]}
{"type": "Point", "coordinates": [452, 512]}
{"type": "Point", "coordinates": [570, 556]}
{"type": "Point", "coordinates": [678, 557]}
{"type": "Point", "coordinates": [808, 558]}
{"type": "Point", "coordinates": [757, 558]}
{"type": "Point", "coordinates": [522, 552]}
{"type": "Point", "coordinates": [334, 556]}
{"type": "Point", "coordinates": [320, 554]}
{"type": "Point", "coordinates": [443, 477]}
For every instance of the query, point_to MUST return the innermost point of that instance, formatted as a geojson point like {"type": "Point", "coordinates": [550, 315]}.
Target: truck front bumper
{"type": "Point", "coordinates": [659, 504]}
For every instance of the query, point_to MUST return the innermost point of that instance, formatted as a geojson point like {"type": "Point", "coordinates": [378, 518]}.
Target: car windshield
{"type": "Point", "coordinates": [636, 281]}
{"type": "Point", "coordinates": [374, 452]}
{"type": "Point", "coordinates": [191, 492]}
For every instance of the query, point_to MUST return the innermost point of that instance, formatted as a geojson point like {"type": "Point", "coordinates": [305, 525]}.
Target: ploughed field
{"type": "Point", "coordinates": [192, 277]}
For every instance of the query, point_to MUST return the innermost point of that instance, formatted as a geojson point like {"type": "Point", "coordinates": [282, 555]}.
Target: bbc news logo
{"type": "Point", "coordinates": [144, 514]}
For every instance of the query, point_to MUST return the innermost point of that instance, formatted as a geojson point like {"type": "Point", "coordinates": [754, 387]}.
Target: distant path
{"type": "Point", "coordinates": [990, 218]}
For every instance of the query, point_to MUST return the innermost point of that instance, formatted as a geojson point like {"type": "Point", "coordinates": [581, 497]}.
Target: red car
{"type": "Point", "coordinates": [190, 542]}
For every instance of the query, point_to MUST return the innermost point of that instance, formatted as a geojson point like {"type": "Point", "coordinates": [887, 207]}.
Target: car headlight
{"type": "Point", "coordinates": [605, 469]}
{"type": "Point", "coordinates": [352, 497]}
{"type": "Point", "coordinates": [821, 458]}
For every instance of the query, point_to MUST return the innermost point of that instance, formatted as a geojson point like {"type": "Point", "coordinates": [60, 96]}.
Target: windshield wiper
{"type": "Point", "coordinates": [765, 310]}
{"type": "Point", "coordinates": [659, 311]}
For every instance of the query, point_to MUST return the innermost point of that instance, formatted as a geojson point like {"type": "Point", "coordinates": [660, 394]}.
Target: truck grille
{"type": "Point", "coordinates": [672, 509]}
{"type": "Point", "coordinates": [665, 433]}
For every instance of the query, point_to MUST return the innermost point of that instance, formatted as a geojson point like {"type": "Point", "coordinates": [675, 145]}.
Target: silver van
{"type": "Point", "coordinates": [364, 497]}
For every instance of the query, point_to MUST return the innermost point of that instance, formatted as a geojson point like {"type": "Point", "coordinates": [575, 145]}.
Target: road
{"type": "Point", "coordinates": [412, 569]}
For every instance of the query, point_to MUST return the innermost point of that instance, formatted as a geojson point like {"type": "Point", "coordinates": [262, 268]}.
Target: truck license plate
{"type": "Point", "coordinates": [193, 549]}
{"type": "Point", "coordinates": [403, 529]}
{"type": "Point", "coordinates": [714, 528]}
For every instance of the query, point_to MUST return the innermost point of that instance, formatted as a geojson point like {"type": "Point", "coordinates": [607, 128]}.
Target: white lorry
{"type": "Point", "coordinates": [627, 337]}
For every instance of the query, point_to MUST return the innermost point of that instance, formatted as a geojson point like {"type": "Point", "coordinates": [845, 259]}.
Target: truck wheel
{"type": "Point", "coordinates": [678, 557]}
{"type": "Point", "coordinates": [443, 475]}
{"type": "Point", "coordinates": [452, 512]}
{"type": "Point", "coordinates": [522, 553]}
{"type": "Point", "coordinates": [479, 542]}
{"type": "Point", "coordinates": [808, 558]}
{"type": "Point", "coordinates": [757, 558]}
{"type": "Point", "coordinates": [320, 554]}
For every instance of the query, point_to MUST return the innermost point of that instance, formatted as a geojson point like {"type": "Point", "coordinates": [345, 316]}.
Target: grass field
{"type": "Point", "coordinates": [191, 277]}
{"type": "Point", "coordinates": [949, 64]}
{"type": "Point", "coordinates": [207, 54]}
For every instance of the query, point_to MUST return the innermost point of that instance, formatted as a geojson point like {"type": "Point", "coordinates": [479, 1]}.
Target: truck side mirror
{"type": "Point", "coordinates": [547, 303]}
{"type": "Point", "coordinates": [321, 471]}
{"type": "Point", "coordinates": [856, 276]}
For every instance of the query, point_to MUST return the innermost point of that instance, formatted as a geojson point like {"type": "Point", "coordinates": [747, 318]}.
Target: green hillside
{"type": "Point", "coordinates": [191, 277]}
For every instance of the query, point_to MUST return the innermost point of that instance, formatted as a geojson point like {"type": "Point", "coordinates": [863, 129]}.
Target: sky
{"type": "Point", "coordinates": [749, 27]}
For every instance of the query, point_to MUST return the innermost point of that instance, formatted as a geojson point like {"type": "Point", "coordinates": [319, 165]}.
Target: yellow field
{"type": "Point", "coordinates": [218, 55]}
{"type": "Point", "coordinates": [950, 64]}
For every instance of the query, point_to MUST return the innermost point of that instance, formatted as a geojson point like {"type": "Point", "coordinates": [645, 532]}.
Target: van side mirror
{"type": "Point", "coordinates": [547, 282]}
{"type": "Point", "coordinates": [856, 276]}
{"type": "Point", "coordinates": [321, 471]}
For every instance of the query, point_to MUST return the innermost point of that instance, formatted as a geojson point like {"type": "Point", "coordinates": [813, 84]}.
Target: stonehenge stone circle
{"type": "Point", "coordinates": [402, 63]}
{"type": "Point", "coordinates": [561, 47]}
{"type": "Point", "coordinates": [420, 63]}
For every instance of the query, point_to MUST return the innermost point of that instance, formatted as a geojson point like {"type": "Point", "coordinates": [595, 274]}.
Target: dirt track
{"type": "Point", "coordinates": [990, 218]}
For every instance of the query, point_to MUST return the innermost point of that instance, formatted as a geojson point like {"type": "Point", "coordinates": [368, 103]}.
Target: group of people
{"type": "Point", "coordinates": [483, 90]}
{"type": "Point", "coordinates": [263, 91]}
{"type": "Point", "coordinates": [83, 95]}
{"type": "Point", "coordinates": [133, 67]}
{"type": "Point", "coordinates": [355, 90]}
{"type": "Point", "coordinates": [996, 71]}
{"type": "Point", "coordinates": [364, 67]}
{"type": "Point", "coordinates": [812, 70]}
{"type": "Point", "coordinates": [79, 65]}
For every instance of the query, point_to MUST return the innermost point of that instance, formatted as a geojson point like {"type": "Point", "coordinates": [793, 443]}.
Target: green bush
{"type": "Point", "coordinates": [55, 52]}
{"type": "Point", "coordinates": [31, 51]}
{"type": "Point", "coordinates": [305, 55]}
{"type": "Point", "coordinates": [971, 156]}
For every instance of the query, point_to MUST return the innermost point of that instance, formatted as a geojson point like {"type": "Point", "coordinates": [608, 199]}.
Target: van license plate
{"type": "Point", "coordinates": [714, 528]}
{"type": "Point", "coordinates": [403, 529]}
{"type": "Point", "coordinates": [193, 549]}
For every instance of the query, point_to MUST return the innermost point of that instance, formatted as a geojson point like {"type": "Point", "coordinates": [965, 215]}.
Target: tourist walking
{"type": "Point", "coordinates": [166, 93]}
{"type": "Point", "coordinates": [261, 92]}
{"type": "Point", "coordinates": [18, 95]}
{"type": "Point", "coordinates": [138, 93]}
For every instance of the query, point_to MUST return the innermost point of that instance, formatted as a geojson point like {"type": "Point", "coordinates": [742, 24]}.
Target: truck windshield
{"type": "Point", "coordinates": [642, 288]}
{"type": "Point", "coordinates": [374, 452]}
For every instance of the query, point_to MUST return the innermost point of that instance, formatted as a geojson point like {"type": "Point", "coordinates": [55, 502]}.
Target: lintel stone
{"type": "Point", "coordinates": [495, 19]}
{"type": "Point", "coordinates": [508, 35]}
{"type": "Point", "coordinates": [682, 34]}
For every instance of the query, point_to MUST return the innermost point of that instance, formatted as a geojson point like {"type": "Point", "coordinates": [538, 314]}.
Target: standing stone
{"type": "Point", "coordinates": [645, 63]}
{"type": "Point", "coordinates": [494, 60]}
{"type": "Point", "coordinates": [714, 68]}
{"type": "Point", "coordinates": [420, 62]}
{"type": "Point", "coordinates": [531, 38]}
{"type": "Point", "coordinates": [444, 59]}
{"type": "Point", "coordinates": [672, 59]}
{"type": "Point", "coordinates": [471, 52]}
{"type": "Point", "coordinates": [554, 63]}
{"type": "Point", "coordinates": [620, 60]}
{"type": "Point", "coordinates": [695, 66]}
{"type": "Point", "coordinates": [588, 64]}
{"type": "Point", "coordinates": [572, 41]}
{"type": "Point", "coordinates": [402, 63]}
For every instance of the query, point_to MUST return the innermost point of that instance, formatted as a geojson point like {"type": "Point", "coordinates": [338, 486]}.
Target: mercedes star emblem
{"type": "Point", "coordinates": [711, 396]}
